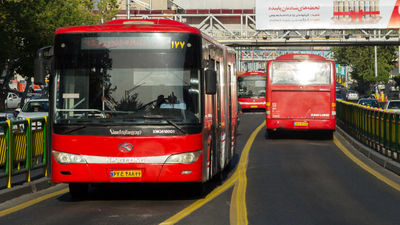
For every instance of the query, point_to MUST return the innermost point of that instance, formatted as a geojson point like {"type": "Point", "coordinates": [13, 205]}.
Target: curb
{"type": "Point", "coordinates": [26, 188]}
{"type": "Point", "coordinates": [380, 159]}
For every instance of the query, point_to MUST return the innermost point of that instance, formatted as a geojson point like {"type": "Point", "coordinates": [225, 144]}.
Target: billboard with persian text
{"type": "Point", "coordinates": [327, 14]}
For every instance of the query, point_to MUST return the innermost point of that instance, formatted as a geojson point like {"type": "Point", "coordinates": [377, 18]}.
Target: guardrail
{"type": "Point", "coordinates": [377, 128]}
{"type": "Point", "coordinates": [23, 147]}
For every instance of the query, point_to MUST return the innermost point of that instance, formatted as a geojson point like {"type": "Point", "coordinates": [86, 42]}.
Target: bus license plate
{"type": "Point", "coordinates": [254, 106]}
{"type": "Point", "coordinates": [300, 124]}
{"type": "Point", "coordinates": [126, 173]}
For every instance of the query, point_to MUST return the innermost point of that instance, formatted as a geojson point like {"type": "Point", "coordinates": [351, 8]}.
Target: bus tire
{"type": "Point", "coordinates": [78, 190]}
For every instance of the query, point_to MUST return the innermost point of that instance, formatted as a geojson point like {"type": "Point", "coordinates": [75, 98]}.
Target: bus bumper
{"type": "Point", "coordinates": [290, 124]}
{"type": "Point", "coordinates": [252, 106]}
{"type": "Point", "coordinates": [102, 173]}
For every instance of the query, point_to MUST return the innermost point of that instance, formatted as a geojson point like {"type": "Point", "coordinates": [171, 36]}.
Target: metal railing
{"type": "Point", "coordinates": [23, 147]}
{"type": "Point", "coordinates": [377, 128]}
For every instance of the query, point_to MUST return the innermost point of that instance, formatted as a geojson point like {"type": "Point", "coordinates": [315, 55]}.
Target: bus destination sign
{"type": "Point", "coordinates": [125, 43]}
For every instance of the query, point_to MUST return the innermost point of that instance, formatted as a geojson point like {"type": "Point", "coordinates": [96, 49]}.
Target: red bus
{"type": "Point", "coordinates": [251, 90]}
{"type": "Point", "coordinates": [301, 93]}
{"type": "Point", "coordinates": [147, 100]}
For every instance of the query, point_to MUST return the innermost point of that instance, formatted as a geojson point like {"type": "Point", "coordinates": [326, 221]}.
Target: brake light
{"type": "Point", "coordinates": [268, 109]}
{"type": "Point", "coordinates": [333, 113]}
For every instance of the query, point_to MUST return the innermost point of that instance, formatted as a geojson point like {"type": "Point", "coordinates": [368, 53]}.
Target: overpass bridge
{"type": "Point", "coordinates": [237, 28]}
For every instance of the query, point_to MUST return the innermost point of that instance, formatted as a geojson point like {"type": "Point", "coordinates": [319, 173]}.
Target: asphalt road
{"type": "Point", "coordinates": [291, 179]}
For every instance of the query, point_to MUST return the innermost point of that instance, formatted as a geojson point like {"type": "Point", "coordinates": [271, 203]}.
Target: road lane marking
{"type": "Point", "coordinates": [238, 210]}
{"type": "Point", "coordinates": [365, 167]}
{"type": "Point", "coordinates": [32, 202]}
{"type": "Point", "coordinates": [199, 203]}
{"type": "Point", "coordinates": [238, 203]}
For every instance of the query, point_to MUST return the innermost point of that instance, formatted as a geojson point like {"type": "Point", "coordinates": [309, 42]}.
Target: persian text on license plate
{"type": "Point", "coordinates": [300, 124]}
{"type": "Point", "coordinates": [126, 173]}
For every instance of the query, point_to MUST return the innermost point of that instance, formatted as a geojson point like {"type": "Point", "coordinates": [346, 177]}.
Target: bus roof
{"type": "Point", "coordinates": [133, 25]}
{"type": "Point", "coordinates": [300, 57]}
{"type": "Point", "coordinates": [246, 74]}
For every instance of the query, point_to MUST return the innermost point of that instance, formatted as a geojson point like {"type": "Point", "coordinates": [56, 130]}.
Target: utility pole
{"type": "Point", "coordinates": [128, 9]}
{"type": "Point", "coordinates": [376, 69]}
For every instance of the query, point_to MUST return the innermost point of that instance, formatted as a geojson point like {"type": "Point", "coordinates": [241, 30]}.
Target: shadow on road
{"type": "Point", "coordinates": [304, 135]}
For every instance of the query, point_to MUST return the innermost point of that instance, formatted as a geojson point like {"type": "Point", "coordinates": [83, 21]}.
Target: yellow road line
{"type": "Point", "coordinates": [32, 202]}
{"type": "Point", "coordinates": [365, 167]}
{"type": "Point", "coordinates": [238, 208]}
{"type": "Point", "coordinates": [199, 203]}
{"type": "Point", "coordinates": [241, 197]}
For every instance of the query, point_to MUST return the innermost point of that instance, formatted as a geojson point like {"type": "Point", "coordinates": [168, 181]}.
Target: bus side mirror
{"type": "Point", "coordinates": [42, 64]}
{"type": "Point", "coordinates": [211, 82]}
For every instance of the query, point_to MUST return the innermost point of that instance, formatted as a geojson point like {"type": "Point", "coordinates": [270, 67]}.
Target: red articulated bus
{"type": "Point", "coordinates": [301, 93]}
{"type": "Point", "coordinates": [251, 86]}
{"type": "Point", "coordinates": [147, 100]}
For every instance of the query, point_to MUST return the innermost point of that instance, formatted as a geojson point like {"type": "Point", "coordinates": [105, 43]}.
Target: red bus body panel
{"type": "Point", "coordinates": [143, 147]}
{"type": "Point", "coordinates": [301, 107]}
{"type": "Point", "coordinates": [248, 103]}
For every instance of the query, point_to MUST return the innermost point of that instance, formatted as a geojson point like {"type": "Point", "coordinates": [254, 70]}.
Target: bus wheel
{"type": "Point", "coordinates": [78, 190]}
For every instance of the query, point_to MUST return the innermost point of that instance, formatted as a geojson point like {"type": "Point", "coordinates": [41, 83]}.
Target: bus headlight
{"type": "Point", "coordinates": [184, 158]}
{"type": "Point", "coordinates": [68, 158]}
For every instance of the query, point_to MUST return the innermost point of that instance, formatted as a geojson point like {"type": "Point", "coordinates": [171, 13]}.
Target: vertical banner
{"type": "Point", "coordinates": [323, 14]}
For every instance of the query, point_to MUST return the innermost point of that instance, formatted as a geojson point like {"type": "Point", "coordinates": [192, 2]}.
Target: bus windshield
{"type": "Point", "coordinates": [251, 87]}
{"type": "Point", "coordinates": [301, 72]}
{"type": "Point", "coordinates": [128, 78]}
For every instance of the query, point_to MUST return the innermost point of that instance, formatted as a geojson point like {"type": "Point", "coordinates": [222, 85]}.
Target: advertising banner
{"type": "Point", "coordinates": [327, 14]}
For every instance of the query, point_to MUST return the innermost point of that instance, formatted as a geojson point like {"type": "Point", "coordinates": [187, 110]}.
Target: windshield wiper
{"type": "Point", "coordinates": [75, 129]}
{"type": "Point", "coordinates": [168, 121]}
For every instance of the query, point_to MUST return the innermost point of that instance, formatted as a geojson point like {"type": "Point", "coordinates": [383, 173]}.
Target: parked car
{"type": "Point", "coordinates": [31, 96]}
{"type": "Point", "coordinates": [369, 102]}
{"type": "Point", "coordinates": [352, 95]}
{"type": "Point", "coordinates": [34, 108]}
{"type": "Point", "coordinates": [6, 116]}
{"type": "Point", "coordinates": [340, 96]}
{"type": "Point", "coordinates": [393, 105]}
{"type": "Point", "coordinates": [12, 101]}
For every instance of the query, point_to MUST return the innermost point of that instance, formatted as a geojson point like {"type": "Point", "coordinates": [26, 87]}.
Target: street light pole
{"type": "Point", "coordinates": [128, 9]}
{"type": "Point", "coordinates": [376, 68]}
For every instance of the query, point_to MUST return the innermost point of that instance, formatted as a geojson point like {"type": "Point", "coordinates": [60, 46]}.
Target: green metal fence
{"type": "Point", "coordinates": [377, 128]}
{"type": "Point", "coordinates": [23, 147]}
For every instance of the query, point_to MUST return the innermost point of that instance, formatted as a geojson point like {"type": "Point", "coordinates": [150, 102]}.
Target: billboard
{"type": "Point", "coordinates": [327, 14]}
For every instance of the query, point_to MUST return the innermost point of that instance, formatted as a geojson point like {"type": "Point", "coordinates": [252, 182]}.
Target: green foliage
{"type": "Point", "coordinates": [27, 25]}
{"type": "Point", "coordinates": [397, 79]}
{"type": "Point", "coordinates": [362, 61]}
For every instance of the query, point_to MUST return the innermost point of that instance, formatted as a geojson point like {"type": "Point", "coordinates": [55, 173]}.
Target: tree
{"type": "Point", "coordinates": [362, 62]}
{"type": "Point", "coordinates": [27, 25]}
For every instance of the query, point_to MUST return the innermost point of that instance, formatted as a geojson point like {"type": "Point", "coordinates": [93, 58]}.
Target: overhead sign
{"type": "Point", "coordinates": [327, 14]}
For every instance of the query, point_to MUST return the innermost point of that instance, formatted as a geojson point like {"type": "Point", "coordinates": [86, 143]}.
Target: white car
{"type": "Point", "coordinates": [12, 101]}
{"type": "Point", "coordinates": [34, 108]}
{"type": "Point", "coordinates": [6, 116]}
{"type": "Point", "coordinates": [352, 95]}
{"type": "Point", "coordinates": [393, 105]}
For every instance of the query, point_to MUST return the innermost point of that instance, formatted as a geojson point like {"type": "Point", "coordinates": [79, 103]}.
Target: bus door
{"type": "Point", "coordinates": [220, 129]}
{"type": "Point", "coordinates": [215, 133]}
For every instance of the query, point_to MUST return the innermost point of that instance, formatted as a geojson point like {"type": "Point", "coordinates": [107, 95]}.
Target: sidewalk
{"type": "Point", "coordinates": [25, 188]}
